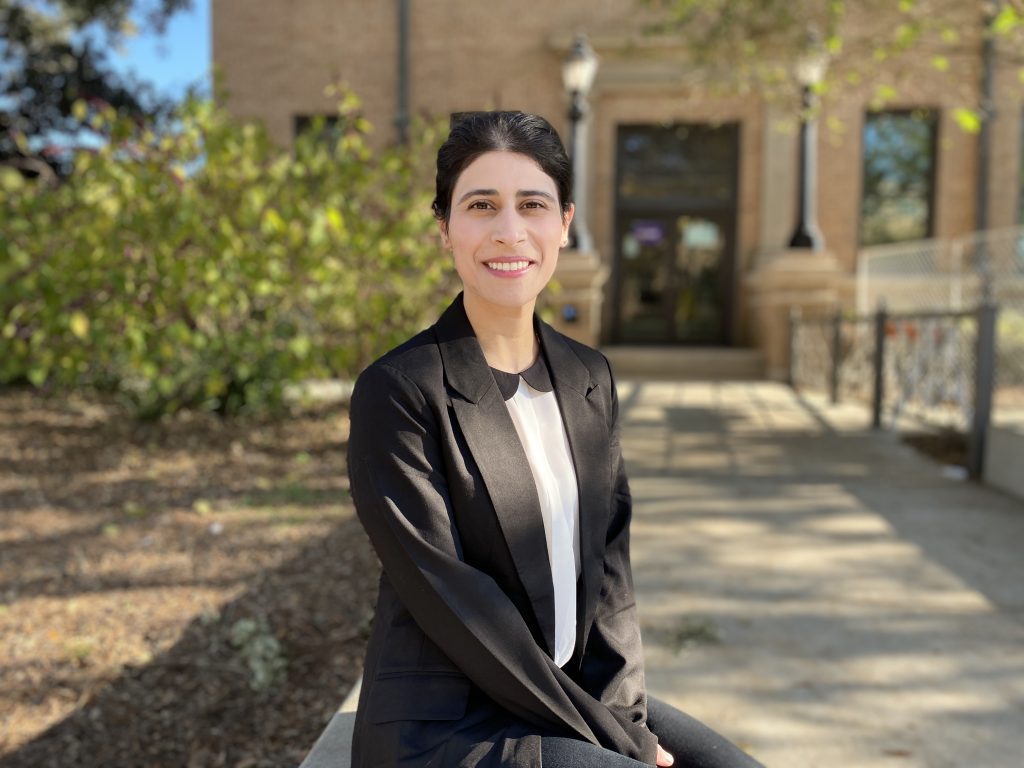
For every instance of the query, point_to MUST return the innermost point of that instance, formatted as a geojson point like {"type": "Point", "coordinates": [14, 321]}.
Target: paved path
{"type": "Point", "coordinates": [820, 593]}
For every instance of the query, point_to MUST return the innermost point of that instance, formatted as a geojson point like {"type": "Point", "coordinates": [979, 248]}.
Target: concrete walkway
{"type": "Point", "coordinates": [820, 593]}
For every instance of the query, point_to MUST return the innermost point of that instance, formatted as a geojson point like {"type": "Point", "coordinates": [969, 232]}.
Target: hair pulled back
{"type": "Point", "coordinates": [475, 133]}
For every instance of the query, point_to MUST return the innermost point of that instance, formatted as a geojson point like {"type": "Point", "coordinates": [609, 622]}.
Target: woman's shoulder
{"type": "Point", "coordinates": [416, 361]}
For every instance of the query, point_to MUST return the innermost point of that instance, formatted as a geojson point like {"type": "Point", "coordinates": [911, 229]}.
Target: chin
{"type": "Point", "coordinates": [508, 299]}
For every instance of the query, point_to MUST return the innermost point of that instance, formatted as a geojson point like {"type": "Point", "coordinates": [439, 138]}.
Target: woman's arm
{"type": "Point", "coordinates": [401, 497]}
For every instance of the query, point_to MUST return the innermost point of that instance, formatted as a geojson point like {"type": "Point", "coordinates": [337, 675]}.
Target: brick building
{"type": "Point", "coordinates": [693, 185]}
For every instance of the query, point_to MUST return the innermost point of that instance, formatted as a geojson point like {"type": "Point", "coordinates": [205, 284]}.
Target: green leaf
{"type": "Point", "coordinates": [883, 93]}
{"type": "Point", "coordinates": [335, 221]}
{"type": "Point", "coordinates": [940, 63]}
{"type": "Point", "coordinates": [273, 224]}
{"type": "Point", "coordinates": [1006, 20]}
{"type": "Point", "coordinates": [968, 119]}
{"type": "Point", "coordinates": [79, 324]}
{"type": "Point", "coordinates": [11, 180]}
{"type": "Point", "coordinates": [300, 346]}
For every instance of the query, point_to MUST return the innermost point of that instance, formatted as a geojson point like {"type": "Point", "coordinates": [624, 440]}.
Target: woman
{"type": "Point", "coordinates": [506, 631]}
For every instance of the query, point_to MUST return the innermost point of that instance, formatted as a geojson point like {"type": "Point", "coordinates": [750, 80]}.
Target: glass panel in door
{"type": "Point", "coordinates": [673, 278]}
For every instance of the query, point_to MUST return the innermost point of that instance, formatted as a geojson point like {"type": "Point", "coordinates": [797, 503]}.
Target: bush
{"type": "Point", "coordinates": [203, 267]}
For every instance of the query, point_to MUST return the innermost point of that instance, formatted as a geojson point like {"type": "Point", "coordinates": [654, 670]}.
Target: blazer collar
{"type": "Point", "coordinates": [467, 369]}
{"type": "Point", "coordinates": [465, 366]}
{"type": "Point", "coordinates": [499, 455]}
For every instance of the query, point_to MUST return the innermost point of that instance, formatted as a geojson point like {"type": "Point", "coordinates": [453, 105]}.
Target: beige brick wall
{"type": "Point", "coordinates": [276, 57]}
{"type": "Point", "coordinates": [1004, 180]}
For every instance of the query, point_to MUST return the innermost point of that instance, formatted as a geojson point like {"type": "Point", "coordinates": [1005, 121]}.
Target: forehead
{"type": "Point", "coordinates": [505, 172]}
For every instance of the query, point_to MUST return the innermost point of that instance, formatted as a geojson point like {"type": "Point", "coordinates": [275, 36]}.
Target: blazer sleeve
{"type": "Point", "coordinates": [401, 498]}
{"type": "Point", "coordinates": [612, 668]}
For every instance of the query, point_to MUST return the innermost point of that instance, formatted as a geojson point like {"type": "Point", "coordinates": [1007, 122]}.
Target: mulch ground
{"type": "Point", "coordinates": [947, 447]}
{"type": "Point", "coordinates": [195, 592]}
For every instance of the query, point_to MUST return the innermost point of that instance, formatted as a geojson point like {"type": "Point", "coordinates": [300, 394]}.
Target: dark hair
{"type": "Point", "coordinates": [473, 133]}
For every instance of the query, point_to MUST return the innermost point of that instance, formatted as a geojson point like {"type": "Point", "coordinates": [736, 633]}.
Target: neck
{"type": "Point", "coordinates": [505, 333]}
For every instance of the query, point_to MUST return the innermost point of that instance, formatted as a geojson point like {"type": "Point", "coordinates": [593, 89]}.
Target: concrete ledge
{"type": "Point", "coordinates": [1004, 458]}
{"type": "Point", "coordinates": [686, 363]}
{"type": "Point", "coordinates": [334, 747]}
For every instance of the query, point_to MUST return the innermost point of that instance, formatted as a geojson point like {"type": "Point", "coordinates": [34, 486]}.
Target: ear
{"type": "Point", "coordinates": [566, 221]}
{"type": "Point", "coordinates": [442, 229]}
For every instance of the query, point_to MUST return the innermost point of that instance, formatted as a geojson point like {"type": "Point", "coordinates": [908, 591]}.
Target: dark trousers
{"type": "Point", "coordinates": [692, 743]}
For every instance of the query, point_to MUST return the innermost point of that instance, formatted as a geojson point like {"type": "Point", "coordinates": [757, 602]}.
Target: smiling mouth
{"type": "Point", "coordinates": [507, 266]}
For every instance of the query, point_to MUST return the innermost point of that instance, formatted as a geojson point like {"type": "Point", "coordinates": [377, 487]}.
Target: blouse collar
{"type": "Point", "coordinates": [537, 376]}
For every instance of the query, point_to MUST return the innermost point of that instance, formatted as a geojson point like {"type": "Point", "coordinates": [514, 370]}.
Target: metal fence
{"type": "Point", "coordinates": [953, 275]}
{"type": "Point", "coordinates": [934, 369]}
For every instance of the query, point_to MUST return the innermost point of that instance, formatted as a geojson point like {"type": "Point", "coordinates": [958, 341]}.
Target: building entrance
{"type": "Point", "coordinates": [675, 234]}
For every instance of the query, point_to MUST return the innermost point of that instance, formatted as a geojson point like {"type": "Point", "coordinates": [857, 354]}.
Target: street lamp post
{"type": "Point", "coordinates": [810, 71]}
{"type": "Point", "coordinates": [578, 71]}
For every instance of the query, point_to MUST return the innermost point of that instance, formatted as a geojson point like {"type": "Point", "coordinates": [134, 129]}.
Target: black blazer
{"type": "Point", "coordinates": [459, 669]}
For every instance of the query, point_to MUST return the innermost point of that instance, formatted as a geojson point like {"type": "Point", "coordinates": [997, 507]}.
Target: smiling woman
{"type": "Point", "coordinates": [485, 466]}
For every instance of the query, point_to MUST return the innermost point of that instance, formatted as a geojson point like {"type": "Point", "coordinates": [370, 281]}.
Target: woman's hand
{"type": "Point", "coordinates": [664, 758]}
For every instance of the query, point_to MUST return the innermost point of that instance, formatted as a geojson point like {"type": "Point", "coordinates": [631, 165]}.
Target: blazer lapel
{"type": "Point", "coordinates": [499, 455]}
{"type": "Point", "coordinates": [583, 412]}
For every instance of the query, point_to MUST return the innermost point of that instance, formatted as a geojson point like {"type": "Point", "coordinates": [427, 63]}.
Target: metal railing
{"type": "Point", "coordinates": [934, 368]}
{"type": "Point", "coordinates": [952, 275]}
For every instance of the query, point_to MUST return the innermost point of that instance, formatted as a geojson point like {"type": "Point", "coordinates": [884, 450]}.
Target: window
{"type": "Point", "coordinates": [328, 126]}
{"type": "Point", "coordinates": [681, 161]}
{"type": "Point", "coordinates": [899, 176]}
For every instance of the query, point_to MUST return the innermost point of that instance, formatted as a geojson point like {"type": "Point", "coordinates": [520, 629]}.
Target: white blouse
{"type": "Point", "coordinates": [530, 399]}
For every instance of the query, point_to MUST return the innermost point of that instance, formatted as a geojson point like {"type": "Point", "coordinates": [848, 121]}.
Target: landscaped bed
{"type": "Point", "coordinates": [194, 592]}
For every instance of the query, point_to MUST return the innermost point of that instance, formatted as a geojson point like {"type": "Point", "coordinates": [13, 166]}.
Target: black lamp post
{"type": "Point", "coordinates": [810, 71]}
{"type": "Point", "coordinates": [578, 71]}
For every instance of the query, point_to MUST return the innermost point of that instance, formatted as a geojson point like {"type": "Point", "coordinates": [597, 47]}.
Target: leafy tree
{"type": "Point", "coordinates": [203, 267]}
{"type": "Point", "coordinates": [52, 55]}
{"type": "Point", "coordinates": [755, 42]}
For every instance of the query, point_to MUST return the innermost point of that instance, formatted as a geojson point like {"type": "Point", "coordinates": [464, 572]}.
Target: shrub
{"type": "Point", "coordinates": [203, 267]}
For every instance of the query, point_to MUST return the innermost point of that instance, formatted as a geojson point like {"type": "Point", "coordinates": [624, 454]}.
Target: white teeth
{"type": "Point", "coordinates": [507, 266]}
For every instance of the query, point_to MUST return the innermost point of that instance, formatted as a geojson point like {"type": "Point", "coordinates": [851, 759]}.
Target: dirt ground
{"type": "Point", "coordinates": [944, 446]}
{"type": "Point", "coordinates": [190, 593]}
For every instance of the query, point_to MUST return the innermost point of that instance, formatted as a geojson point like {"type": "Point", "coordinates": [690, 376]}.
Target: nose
{"type": "Point", "coordinates": [508, 227]}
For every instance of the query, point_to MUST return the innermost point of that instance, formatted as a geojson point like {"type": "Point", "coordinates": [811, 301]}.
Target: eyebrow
{"type": "Point", "coordinates": [520, 193]}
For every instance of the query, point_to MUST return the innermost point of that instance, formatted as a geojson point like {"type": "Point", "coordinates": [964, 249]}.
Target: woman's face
{"type": "Point", "coordinates": [505, 230]}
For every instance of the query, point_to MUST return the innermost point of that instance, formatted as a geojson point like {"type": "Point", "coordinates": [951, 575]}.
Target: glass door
{"type": "Point", "coordinates": [674, 280]}
{"type": "Point", "coordinates": [675, 220]}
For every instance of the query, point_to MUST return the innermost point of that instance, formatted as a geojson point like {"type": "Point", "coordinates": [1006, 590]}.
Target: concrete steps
{"type": "Point", "coordinates": [686, 363]}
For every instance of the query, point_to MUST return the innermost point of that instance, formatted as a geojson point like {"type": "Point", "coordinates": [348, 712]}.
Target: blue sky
{"type": "Point", "coordinates": [172, 61]}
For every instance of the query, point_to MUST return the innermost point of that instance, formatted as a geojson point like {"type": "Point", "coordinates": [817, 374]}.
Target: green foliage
{"type": "Point", "coordinates": [754, 44]}
{"type": "Point", "coordinates": [256, 644]}
{"type": "Point", "coordinates": [1010, 346]}
{"type": "Point", "coordinates": [206, 268]}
